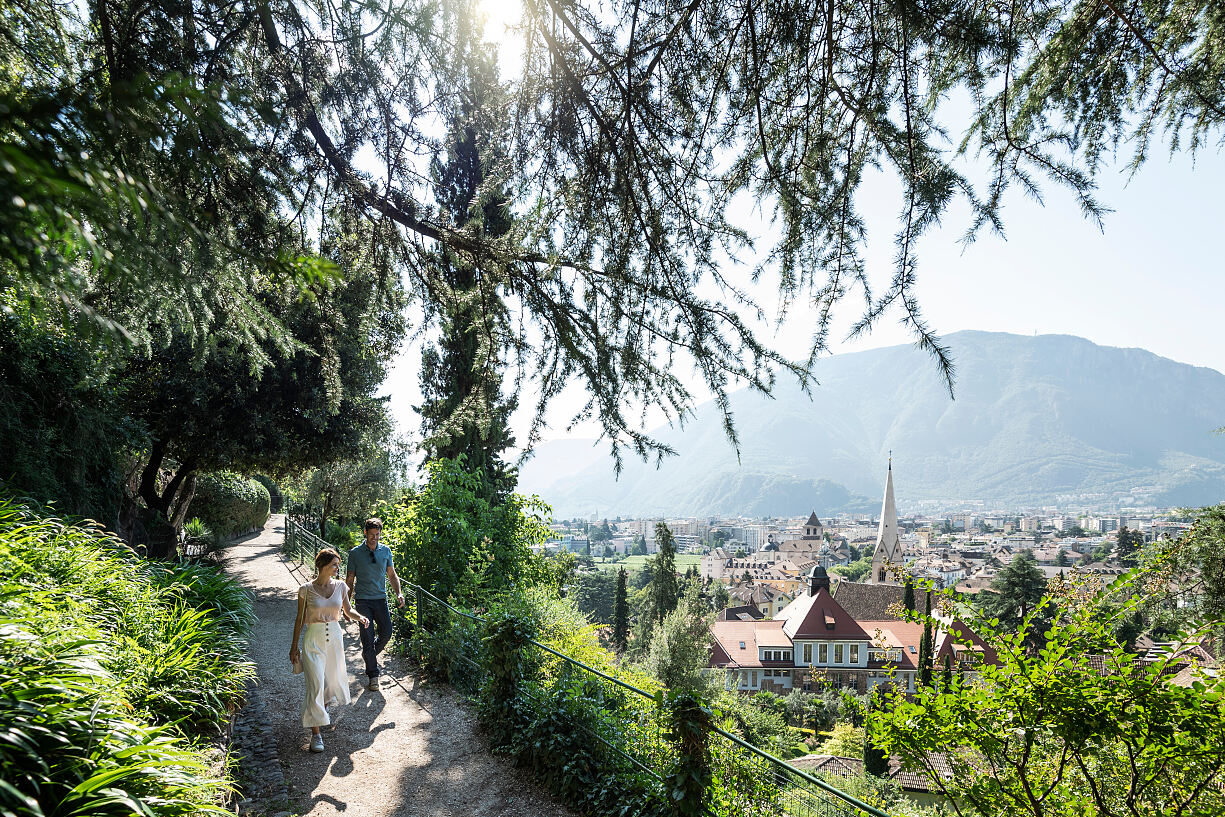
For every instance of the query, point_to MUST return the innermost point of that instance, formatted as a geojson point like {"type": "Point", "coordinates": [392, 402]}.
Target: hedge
{"type": "Point", "coordinates": [230, 504]}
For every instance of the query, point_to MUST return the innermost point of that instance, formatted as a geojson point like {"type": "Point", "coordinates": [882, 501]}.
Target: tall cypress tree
{"type": "Point", "coordinates": [908, 597]}
{"type": "Point", "coordinates": [926, 645]}
{"type": "Point", "coordinates": [463, 412]}
{"type": "Point", "coordinates": [665, 590]}
{"type": "Point", "coordinates": [946, 681]}
{"type": "Point", "coordinates": [621, 613]}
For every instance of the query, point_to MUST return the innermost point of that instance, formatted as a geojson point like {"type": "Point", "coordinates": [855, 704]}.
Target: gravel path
{"type": "Point", "coordinates": [409, 749]}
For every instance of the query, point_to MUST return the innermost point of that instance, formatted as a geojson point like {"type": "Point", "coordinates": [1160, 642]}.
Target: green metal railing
{"type": "Point", "coordinates": [746, 781]}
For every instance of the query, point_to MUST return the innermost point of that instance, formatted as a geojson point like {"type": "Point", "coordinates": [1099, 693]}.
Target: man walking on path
{"type": "Point", "coordinates": [369, 569]}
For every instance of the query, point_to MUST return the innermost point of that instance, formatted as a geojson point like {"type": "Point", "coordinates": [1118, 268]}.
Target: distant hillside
{"type": "Point", "coordinates": [1035, 419]}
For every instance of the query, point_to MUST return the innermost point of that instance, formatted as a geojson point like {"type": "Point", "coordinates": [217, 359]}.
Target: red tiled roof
{"type": "Point", "coordinates": [851, 767]}
{"type": "Point", "coordinates": [955, 632]}
{"type": "Point", "coordinates": [729, 635]}
{"type": "Point", "coordinates": [903, 635]}
{"type": "Point", "coordinates": [819, 616]}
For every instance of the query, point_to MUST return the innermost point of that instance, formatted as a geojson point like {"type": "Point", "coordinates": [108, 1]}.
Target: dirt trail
{"type": "Point", "coordinates": [409, 749]}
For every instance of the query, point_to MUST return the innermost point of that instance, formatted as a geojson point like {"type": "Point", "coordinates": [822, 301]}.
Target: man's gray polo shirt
{"type": "Point", "coordinates": [370, 566]}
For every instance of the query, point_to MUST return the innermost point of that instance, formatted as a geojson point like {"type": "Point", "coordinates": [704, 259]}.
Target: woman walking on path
{"type": "Point", "coordinates": [321, 603]}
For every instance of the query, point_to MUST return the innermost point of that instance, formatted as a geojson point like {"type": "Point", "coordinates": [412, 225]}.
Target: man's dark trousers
{"type": "Point", "coordinates": [380, 617]}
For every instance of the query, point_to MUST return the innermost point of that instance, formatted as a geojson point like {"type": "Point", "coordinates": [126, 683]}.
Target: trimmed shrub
{"type": "Point", "coordinates": [230, 504]}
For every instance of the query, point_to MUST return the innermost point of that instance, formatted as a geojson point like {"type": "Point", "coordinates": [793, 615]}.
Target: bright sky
{"type": "Point", "coordinates": [1152, 279]}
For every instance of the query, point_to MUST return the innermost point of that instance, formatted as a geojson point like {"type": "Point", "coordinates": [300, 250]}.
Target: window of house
{"type": "Point", "coordinates": [742, 645]}
{"type": "Point", "coordinates": [837, 653]}
{"type": "Point", "coordinates": [786, 655]}
{"type": "Point", "coordinates": [823, 653]}
{"type": "Point", "coordinates": [786, 673]}
{"type": "Point", "coordinates": [854, 653]}
{"type": "Point", "coordinates": [754, 682]}
{"type": "Point", "coordinates": [807, 653]}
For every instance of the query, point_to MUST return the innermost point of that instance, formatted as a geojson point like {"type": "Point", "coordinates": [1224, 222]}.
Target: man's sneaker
{"type": "Point", "coordinates": [373, 686]}
{"type": "Point", "coordinates": [317, 743]}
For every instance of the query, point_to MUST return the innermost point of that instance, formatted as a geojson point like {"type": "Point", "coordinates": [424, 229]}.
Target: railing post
{"type": "Point", "coordinates": [690, 777]}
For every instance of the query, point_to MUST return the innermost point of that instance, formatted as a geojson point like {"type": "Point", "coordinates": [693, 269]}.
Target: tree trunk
{"type": "Point", "coordinates": [187, 471]}
{"type": "Point", "coordinates": [185, 497]}
{"type": "Point", "coordinates": [323, 518]}
{"type": "Point", "coordinates": [148, 478]}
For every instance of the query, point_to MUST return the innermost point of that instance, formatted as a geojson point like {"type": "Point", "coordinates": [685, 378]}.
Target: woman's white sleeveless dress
{"type": "Point", "coordinates": [323, 654]}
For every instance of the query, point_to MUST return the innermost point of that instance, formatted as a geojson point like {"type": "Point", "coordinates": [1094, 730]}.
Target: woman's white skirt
{"type": "Point", "coordinates": [323, 667]}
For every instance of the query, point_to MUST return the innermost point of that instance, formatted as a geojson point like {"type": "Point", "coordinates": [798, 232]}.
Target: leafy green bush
{"type": "Point", "coordinates": [230, 504]}
{"type": "Point", "coordinates": [344, 537]}
{"type": "Point", "coordinates": [110, 666]}
{"type": "Point", "coordinates": [452, 541]}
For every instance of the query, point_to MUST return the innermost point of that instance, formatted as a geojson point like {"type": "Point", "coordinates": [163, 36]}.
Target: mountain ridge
{"type": "Point", "coordinates": [1035, 418]}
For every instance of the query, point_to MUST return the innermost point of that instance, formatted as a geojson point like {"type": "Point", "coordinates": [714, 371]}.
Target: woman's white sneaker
{"type": "Point", "coordinates": [317, 743]}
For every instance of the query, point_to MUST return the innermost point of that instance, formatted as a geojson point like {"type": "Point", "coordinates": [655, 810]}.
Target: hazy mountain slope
{"type": "Point", "coordinates": [1034, 418]}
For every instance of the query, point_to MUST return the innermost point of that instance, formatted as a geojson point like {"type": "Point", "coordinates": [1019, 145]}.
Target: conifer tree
{"type": "Point", "coordinates": [946, 680]}
{"type": "Point", "coordinates": [463, 412]}
{"type": "Point", "coordinates": [1129, 544]}
{"type": "Point", "coordinates": [665, 590]}
{"type": "Point", "coordinates": [908, 597]}
{"type": "Point", "coordinates": [621, 613]}
{"type": "Point", "coordinates": [1016, 591]}
{"type": "Point", "coordinates": [926, 645]}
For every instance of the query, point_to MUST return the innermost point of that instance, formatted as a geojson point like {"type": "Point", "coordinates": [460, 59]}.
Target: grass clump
{"type": "Point", "coordinates": [115, 672]}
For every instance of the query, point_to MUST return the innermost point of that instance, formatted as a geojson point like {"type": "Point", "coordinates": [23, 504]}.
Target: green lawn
{"type": "Point", "coordinates": [635, 563]}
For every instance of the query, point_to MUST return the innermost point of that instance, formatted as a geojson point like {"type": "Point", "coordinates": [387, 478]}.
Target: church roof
{"type": "Point", "coordinates": [812, 522]}
{"type": "Point", "coordinates": [871, 602]}
{"type": "Point", "coordinates": [888, 540]}
{"type": "Point", "coordinates": [819, 616]}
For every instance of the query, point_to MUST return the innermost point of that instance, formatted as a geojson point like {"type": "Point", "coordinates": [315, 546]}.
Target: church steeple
{"type": "Point", "coordinates": [813, 528]}
{"type": "Point", "coordinates": [888, 541]}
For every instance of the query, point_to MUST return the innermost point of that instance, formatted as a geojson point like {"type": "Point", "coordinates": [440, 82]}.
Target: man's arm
{"type": "Point", "coordinates": [350, 579]}
{"type": "Point", "coordinates": [395, 584]}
